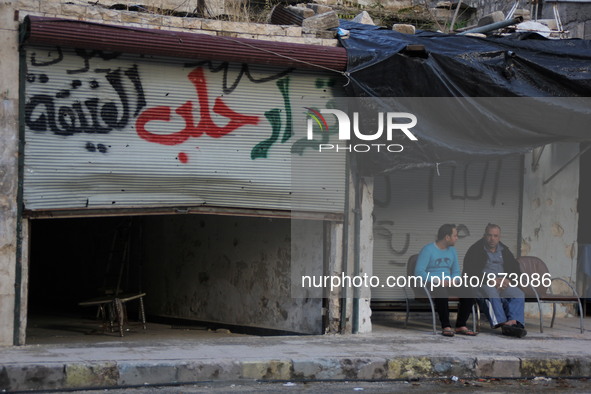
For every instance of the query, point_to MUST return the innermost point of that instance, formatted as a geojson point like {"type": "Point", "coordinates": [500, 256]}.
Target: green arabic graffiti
{"type": "Point", "coordinates": [261, 149]}
{"type": "Point", "coordinates": [303, 143]}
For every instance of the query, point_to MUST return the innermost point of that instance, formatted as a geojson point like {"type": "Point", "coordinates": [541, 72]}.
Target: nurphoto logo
{"type": "Point", "coordinates": [390, 119]}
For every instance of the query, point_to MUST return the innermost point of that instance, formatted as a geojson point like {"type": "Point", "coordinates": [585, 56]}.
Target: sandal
{"type": "Point", "coordinates": [448, 332]}
{"type": "Point", "coordinates": [466, 331]}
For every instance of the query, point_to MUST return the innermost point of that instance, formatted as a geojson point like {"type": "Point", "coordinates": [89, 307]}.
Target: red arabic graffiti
{"type": "Point", "coordinates": [205, 125]}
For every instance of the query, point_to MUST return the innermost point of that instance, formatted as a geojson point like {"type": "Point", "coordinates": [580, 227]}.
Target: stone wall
{"type": "Point", "coordinates": [152, 20]}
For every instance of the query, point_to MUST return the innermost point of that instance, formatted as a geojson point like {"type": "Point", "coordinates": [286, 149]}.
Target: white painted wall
{"type": "Point", "coordinates": [550, 218]}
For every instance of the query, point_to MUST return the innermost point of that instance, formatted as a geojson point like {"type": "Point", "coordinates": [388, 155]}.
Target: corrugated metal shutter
{"type": "Point", "coordinates": [106, 130]}
{"type": "Point", "coordinates": [411, 205]}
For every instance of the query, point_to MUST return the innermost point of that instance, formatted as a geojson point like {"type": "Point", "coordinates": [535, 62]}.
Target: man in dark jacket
{"type": "Point", "coordinates": [493, 259]}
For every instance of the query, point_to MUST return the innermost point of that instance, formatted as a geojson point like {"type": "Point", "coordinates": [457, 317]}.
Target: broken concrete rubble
{"type": "Point", "coordinates": [325, 21]}
{"type": "Point", "coordinates": [318, 8]}
{"type": "Point", "coordinates": [363, 18]}
{"type": "Point", "coordinates": [402, 28]}
{"type": "Point", "coordinates": [304, 12]}
{"type": "Point", "coordinates": [315, 19]}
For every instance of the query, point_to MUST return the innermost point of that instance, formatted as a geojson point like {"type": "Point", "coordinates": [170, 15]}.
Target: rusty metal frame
{"type": "Point", "coordinates": [85, 212]}
{"type": "Point", "coordinates": [89, 35]}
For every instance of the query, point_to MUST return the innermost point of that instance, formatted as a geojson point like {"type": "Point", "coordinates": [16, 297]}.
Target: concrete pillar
{"type": "Point", "coordinates": [550, 217]}
{"type": "Point", "coordinates": [360, 248]}
{"type": "Point", "coordinates": [335, 264]}
{"type": "Point", "coordinates": [9, 89]}
{"type": "Point", "coordinates": [366, 253]}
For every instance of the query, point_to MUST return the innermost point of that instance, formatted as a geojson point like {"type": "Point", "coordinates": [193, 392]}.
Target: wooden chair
{"type": "Point", "coordinates": [541, 294]}
{"type": "Point", "coordinates": [422, 295]}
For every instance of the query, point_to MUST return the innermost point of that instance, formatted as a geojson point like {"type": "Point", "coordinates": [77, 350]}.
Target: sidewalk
{"type": "Point", "coordinates": [162, 355]}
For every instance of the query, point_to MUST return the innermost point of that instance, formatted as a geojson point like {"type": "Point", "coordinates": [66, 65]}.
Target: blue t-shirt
{"type": "Point", "coordinates": [433, 261]}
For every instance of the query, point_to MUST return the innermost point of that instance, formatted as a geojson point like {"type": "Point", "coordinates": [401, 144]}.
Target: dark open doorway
{"type": "Point", "coordinates": [74, 260]}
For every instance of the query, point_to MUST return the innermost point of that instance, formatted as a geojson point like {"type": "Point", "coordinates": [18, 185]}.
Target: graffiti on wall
{"type": "Point", "coordinates": [60, 115]}
{"type": "Point", "coordinates": [101, 94]}
{"type": "Point", "coordinates": [469, 182]}
{"type": "Point", "coordinates": [385, 230]}
{"type": "Point", "coordinates": [192, 129]}
{"type": "Point", "coordinates": [118, 130]}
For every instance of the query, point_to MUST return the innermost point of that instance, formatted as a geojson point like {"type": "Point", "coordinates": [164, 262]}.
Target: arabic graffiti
{"type": "Point", "coordinates": [303, 143]}
{"type": "Point", "coordinates": [465, 195]}
{"type": "Point", "coordinates": [244, 71]}
{"type": "Point", "coordinates": [473, 176]}
{"type": "Point", "coordinates": [274, 118]}
{"type": "Point", "coordinates": [71, 119]}
{"type": "Point", "coordinates": [205, 125]}
{"type": "Point", "coordinates": [63, 114]}
{"type": "Point", "coordinates": [384, 229]}
{"type": "Point", "coordinates": [97, 92]}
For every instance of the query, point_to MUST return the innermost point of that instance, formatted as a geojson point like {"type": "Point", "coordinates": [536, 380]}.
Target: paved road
{"type": "Point", "coordinates": [419, 386]}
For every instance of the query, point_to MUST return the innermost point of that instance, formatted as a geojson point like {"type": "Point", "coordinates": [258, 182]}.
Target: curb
{"type": "Point", "coordinates": [121, 374]}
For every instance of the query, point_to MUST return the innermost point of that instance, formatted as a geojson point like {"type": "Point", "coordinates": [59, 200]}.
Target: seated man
{"type": "Point", "coordinates": [491, 257]}
{"type": "Point", "coordinates": [437, 259]}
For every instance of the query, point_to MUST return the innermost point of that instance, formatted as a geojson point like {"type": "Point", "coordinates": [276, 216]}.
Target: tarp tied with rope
{"type": "Point", "coordinates": [473, 97]}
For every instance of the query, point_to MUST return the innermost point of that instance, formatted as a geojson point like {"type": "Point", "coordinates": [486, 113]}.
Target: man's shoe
{"type": "Point", "coordinates": [516, 330]}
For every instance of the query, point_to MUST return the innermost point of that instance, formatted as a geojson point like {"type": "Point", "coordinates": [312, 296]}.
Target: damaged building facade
{"type": "Point", "coordinates": [183, 160]}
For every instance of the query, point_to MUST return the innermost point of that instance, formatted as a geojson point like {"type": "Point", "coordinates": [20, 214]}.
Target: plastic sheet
{"type": "Point", "coordinates": [547, 74]}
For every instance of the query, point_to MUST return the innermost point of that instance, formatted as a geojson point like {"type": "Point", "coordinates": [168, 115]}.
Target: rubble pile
{"type": "Point", "coordinates": [321, 20]}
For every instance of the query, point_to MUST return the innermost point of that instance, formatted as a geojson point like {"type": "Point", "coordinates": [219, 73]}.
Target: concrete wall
{"type": "Point", "coordinates": [8, 167]}
{"type": "Point", "coordinates": [550, 217]}
{"type": "Point", "coordinates": [234, 270]}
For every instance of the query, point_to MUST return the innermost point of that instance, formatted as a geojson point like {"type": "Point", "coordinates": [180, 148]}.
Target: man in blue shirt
{"type": "Point", "coordinates": [440, 260]}
{"type": "Point", "coordinates": [491, 257]}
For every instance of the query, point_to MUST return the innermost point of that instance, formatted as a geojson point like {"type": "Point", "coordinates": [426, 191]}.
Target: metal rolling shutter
{"type": "Point", "coordinates": [411, 205]}
{"type": "Point", "coordinates": [110, 130]}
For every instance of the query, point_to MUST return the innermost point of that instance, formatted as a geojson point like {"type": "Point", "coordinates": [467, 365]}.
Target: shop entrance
{"type": "Point", "coordinates": [212, 271]}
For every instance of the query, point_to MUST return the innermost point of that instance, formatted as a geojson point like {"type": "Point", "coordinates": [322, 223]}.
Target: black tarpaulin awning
{"type": "Point", "coordinates": [473, 97]}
